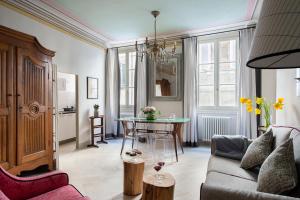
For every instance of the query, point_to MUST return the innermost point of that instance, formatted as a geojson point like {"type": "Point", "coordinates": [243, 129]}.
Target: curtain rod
{"type": "Point", "coordinates": [185, 37]}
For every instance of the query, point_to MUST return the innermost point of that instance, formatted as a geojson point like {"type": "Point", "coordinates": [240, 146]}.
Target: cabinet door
{"type": "Point", "coordinates": [34, 129]}
{"type": "Point", "coordinates": [7, 139]}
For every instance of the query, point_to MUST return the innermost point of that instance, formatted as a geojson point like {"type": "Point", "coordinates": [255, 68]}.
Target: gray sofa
{"type": "Point", "coordinates": [225, 179]}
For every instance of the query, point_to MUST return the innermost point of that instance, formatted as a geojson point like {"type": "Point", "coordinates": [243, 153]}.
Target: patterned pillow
{"type": "Point", "coordinates": [278, 173]}
{"type": "Point", "coordinates": [258, 151]}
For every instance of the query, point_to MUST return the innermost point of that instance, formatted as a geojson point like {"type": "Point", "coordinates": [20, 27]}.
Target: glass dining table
{"type": "Point", "coordinates": [176, 131]}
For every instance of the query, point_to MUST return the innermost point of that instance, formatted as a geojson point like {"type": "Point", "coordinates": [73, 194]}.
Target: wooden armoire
{"type": "Point", "coordinates": [26, 140]}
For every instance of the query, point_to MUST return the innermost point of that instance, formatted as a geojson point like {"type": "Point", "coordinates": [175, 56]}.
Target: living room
{"type": "Point", "coordinates": [182, 100]}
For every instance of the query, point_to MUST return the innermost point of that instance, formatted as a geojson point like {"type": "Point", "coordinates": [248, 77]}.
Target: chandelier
{"type": "Point", "coordinates": [156, 50]}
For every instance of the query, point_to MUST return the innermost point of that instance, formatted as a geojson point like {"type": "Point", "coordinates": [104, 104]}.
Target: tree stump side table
{"type": "Point", "coordinates": [133, 176]}
{"type": "Point", "coordinates": [163, 190]}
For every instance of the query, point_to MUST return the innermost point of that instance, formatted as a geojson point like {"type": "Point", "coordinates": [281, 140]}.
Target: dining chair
{"type": "Point", "coordinates": [133, 132]}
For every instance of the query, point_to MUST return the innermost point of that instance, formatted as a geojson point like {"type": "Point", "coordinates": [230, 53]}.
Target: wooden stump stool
{"type": "Point", "coordinates": [154, 190]}
{"type": "Point", "coordinates": [133, 176]}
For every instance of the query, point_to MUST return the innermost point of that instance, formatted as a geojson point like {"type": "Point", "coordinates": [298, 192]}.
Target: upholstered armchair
{"type": "Point", "coordinates": [50, 186]}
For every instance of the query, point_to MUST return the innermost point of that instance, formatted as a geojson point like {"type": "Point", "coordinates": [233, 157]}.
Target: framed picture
{"type": "Point", "coordinates": [92, 88]}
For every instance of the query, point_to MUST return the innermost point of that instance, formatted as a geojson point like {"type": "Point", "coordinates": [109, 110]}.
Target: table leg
{"type": "Point", "coordinates": [102, 136]}
{"type": "Point", "coordinates": [178, 132]}
{"type": "Point", "coordinates": [92, 136]}
{"type": "Point", "coordinates": [174, 133]}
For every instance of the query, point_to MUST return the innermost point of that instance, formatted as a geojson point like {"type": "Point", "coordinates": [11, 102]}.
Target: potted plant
{"type": "Point", "coordinates": [262, 107]}
{"type": "Point", "coordinates": [150, 112]}
{"type": "Point", "coordinates": [96, 110]}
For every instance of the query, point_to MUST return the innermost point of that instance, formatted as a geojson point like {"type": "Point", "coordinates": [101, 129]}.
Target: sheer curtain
{"type": "Point", "coordinates": [140, 83]}
{"type": "Point", "coordinates": [247, 121]}
{"type": "Point", "coordinates": [112, 91]}
{"type": "Point", "coordinates": [189, 107]}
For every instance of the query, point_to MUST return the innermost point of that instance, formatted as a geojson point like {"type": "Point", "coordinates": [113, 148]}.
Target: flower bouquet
{"type": "Point", "coordinates": [262, 107]}
{"type": "Point", "coordinates": [150, 112]}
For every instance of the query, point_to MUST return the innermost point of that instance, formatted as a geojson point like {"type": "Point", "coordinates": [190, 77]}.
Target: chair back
{"type": "Point", "coordinates": [128, 127]}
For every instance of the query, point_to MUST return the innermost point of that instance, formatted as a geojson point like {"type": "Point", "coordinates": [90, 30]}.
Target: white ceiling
{"type": "Point", "coordinates": [120, 20]}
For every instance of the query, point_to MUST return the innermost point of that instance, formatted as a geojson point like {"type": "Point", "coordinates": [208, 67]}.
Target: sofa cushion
{"type": "Point", "coordinates": [280, 134]}
{"type": "Point", "coordinates": [278, 173]}
{"type": "Point", "coordinates": [63, 193]}
{"type": "Point", "coordinates": [228, 181]}
{"type": "Point", "coordinates": [295, 134]}
{"type": "Point", "coordinates": [258, 151]}
{"type": "Point", "coordinates": [230, 167]}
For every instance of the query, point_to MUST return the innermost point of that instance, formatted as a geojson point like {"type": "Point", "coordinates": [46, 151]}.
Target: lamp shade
{"type": "Point", "coordinates": [276, 43]}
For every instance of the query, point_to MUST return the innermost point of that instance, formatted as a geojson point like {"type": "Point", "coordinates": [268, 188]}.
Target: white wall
{"type": "Point", "coordinates": [268, 87]}
{"type": "Point", "coordinates": [72, 56]}
{"type": "Point", "coordinates": [286, 88]}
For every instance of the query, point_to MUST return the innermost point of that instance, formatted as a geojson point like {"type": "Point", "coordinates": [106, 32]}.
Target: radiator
{"type": "Point", "coordinates": [216, 125]}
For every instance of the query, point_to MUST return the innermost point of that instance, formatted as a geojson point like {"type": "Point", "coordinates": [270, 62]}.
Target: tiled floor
{"type": "Point", "coordinates": [98, 172]}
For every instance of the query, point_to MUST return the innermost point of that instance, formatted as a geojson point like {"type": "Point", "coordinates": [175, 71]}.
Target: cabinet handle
{"type": "Point", "coordinates": [18, 95]}
{"type": "Point", "coordinates": [9, 95]}
{"type": "Point", "coordinates": [20, 108]}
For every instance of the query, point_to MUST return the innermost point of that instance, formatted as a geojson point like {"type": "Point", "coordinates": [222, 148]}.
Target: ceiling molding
{"type": "Point", "coordinates": [61, 20]}
{"type": "Point", "coordinates": [190, 33]}
{"type": "Point", "coordinates": [257, 10]}
{"type": "Point", "coordinates": [58, 19]}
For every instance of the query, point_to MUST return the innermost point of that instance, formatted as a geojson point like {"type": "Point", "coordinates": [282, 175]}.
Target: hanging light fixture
{"type": "Point", "coordinates": [276, 43]}
{"type": "Point", "coordinates": [156, 50]}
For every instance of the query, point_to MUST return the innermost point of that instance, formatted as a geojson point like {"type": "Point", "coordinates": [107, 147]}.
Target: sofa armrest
{"type": "Point", "coordinates": [24, 188]}
{"type": "Point", "coordinates": [209, 192]}
{"type": "Point", "coordinates": [229, 146]}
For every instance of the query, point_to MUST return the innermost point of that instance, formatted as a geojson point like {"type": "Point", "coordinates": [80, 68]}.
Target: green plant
{"type": "Point", "coordinates": [262, 107]}
{"type": "Point", "coordinates": [96, 106]}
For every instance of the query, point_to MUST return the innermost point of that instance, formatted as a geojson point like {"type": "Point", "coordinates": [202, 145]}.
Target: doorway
{"type": "Point", "coordinates": [67, 109]}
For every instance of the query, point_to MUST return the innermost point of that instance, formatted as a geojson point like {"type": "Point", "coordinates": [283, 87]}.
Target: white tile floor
{"type": "Point", "coordinates": [98, 172]}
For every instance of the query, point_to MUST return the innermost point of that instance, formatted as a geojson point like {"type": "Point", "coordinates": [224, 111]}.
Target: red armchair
{"type": "Point", "coordinates": [50, 186]}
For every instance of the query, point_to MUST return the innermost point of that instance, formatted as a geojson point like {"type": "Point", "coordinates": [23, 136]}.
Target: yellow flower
{"type": "Point", "coordinates": [249, 108]}
{"type": "Point", "coordinates": [280, 100]}
{"type": "Point", "coordinates": [243, 100]}
{"type": "Point", "coordinates": [249, 102]}
{"type": "Point", "coordinates": [257, 111]}
{"type": "Point", "coordinates": [259, 100]}
{"type": "Point", "coordinates": [278, 106]}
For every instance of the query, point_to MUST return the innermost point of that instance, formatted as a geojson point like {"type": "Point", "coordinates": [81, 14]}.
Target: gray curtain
{"type": "Point", "coordinates": [140, 83]}
{"type": "Point", "coordinates": [190, 135]}
{"type": "Point", "coordinates": [247, 121]}
{"type": "Point", "coordinates": [112, 91]}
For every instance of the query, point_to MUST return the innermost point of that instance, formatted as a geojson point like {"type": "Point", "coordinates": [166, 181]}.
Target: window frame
{"type": "Point", "coordinates": [126, 108]}
{"type": "Point", "coordinates": [216, 39]}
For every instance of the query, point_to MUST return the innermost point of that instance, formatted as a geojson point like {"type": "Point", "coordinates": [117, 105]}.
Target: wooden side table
{"type": "Point", "coordinates": [154, 190]}
{"type": "Point", "coordinates": [133, 176]}
{"type": "Point", "coordinates": [97, 126]}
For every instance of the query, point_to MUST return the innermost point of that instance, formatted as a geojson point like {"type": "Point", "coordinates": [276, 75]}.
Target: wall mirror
{"type": "Point", "coordinates": [165, 79]}
{"type": "Point", "coordinates": [92, 88]}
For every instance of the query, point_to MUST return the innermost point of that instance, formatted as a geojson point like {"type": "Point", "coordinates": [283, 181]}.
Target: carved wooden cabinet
{"type": "Point", "coordinates": [25, 102]}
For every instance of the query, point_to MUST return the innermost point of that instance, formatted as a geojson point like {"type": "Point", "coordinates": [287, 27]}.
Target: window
{"type": "Point", "coordinates": [217, 73]}
{"type": "Point", "coordinates": [127, 61]}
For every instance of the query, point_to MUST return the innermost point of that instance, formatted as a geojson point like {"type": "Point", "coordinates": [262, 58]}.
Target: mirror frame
{"type": "Point", "coordinates": [151, 85]}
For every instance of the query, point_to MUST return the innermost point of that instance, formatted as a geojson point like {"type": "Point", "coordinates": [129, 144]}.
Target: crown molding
{"type": "Point", "coordinates": [189, 33]}
{"type": "Point", "coordinates": [55, 17]}
{"type": "Point", "coordinates": [58, 19]}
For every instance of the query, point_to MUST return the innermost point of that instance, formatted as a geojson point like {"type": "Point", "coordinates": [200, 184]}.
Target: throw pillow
{"type": "Point", "coordinates": [258, 151]}
{"type": "Point", "coordinates": [278, 173]}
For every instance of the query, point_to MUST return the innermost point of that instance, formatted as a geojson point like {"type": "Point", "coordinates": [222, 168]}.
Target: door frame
{"type": "Point", "coordinates": [77, 114]}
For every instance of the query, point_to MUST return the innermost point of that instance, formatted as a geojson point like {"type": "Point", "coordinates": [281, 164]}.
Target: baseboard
{"type": "Point", "coordinates": [110, 136]}
{"type": "Point", "coordinates": [67, 141]}
{"type": "Point", "coordinates": [196, 144]}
